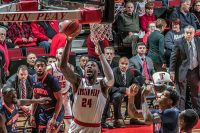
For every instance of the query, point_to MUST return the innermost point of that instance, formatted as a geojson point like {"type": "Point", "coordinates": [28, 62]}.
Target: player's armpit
{"type": "Point", "coordinates": [2, 124]}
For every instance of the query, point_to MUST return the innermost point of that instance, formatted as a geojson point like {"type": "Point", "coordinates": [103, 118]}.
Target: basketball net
{"type": "Point", "coordinates": [99, 32]}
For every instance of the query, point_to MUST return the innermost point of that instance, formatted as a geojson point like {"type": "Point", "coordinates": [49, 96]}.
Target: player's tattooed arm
{"type": "Point", "coordinates": [73, 78]}
{"type": "Point", "coordinates": [2, 124]}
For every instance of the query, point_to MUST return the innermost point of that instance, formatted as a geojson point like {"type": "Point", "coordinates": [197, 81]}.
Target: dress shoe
{"type": "Point", "coordinates": [106, 125]}
{"type": "Point", "coordinates": [119, 123]}
{"type": "Point", "coordinates": [134, 121]}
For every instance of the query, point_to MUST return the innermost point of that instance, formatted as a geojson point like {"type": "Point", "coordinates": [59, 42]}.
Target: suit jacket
{"type": "Point", "coordinates": [114, 64]}
{"type": "Point", "coordinates": [132, 76]}
{"type": "Point", "coordinates": [180, 58]}
{"type": "Point", "coordinates": [136, 62]}
{"type": "Point", "coordinates": [14, 82]}
{"type": "Point", "coordinates": [79, 71]}
{"type": "Point", "coordinates": [155, 44]}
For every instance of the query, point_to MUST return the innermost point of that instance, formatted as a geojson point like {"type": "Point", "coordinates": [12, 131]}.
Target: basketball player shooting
{"type": "Point", "coordinates": [89, 93]}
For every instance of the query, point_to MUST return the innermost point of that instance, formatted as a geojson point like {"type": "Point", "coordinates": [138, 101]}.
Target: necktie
{"type": "Point", "coordinates": [145, 70]}
{"type": "Point", "coordinates": [191, 55]}
{"type": "Point", "coordinates": [23, 90]}
{"type": "Point", "coordinates": [124, 79]}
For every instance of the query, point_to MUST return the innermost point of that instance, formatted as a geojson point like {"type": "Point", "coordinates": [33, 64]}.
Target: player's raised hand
{"type": "Point", "coordinates": [97, 48]}
{"type": "Point", "coordinates": [133, 90]}
{"type": "Point", "coordinates": [146, 90]}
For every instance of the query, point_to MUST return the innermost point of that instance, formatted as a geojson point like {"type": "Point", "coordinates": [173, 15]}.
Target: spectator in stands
{"type": "Point", "coordinates": [185, 68]}
{"type": "Point", "coordinates": [91, 48]}
{"type": "Point", "coordinates": [110, 54]}
{"type": "Point", "coordinates": [21, 34]}
{"type": "Point", "coordinates": [142, 63]}
{"type": "Point", "coordinates": [140, 7]}
{"type": "Point", "coordinates": [184, 15]}
{"type": "Point", "coordinates": [51, 59]}
{"type": "Point", "coordinates": [165, 118]}
{"type": "Point", "coordinates": [21, 82]}
{"type": "Point", "coordinates": [81, 68]}
{"type": "Point", "coordinates": [187, 120]}
{"type": "Point", "coordinates": [58, 41]}
{"type": "Point", "coordinates": [31, 58]}
{"type": "Point", "coordinates": [196, 12]}
{"type": "Point", "coordinates": [125, 79]}
{"type": "Point", "coordinates": [3, 48]}
{"type": "Point", "coordinates": [155, 44]}
{"type": "Point", "coordinates": [174, 34]}
{"type": "Point", "coordinates": [8, 40]}
{"type": "Point", "coordinates": [147, 17]}
{"type": "Point", "coordinates": [151, 28]}
{"type": "Point", "coordinates": [44, 31]}
{"type": "Point", "coordinates": [128, 26]}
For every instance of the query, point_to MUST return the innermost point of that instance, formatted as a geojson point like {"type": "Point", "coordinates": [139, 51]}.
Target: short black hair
{"type": "Point", "coordinates": [41, 60]}
{"type": "Point", "coordinates": [6, 89]}
{"type": "Point", "coordinates": [93, 60]}
{"type": "Point", "coordinates": [51, 57]}
{"type": "Point", "coordinates": [173, 94]}
{"type": "Point", "coordinates": [190, 118]}
{"type": "Point", "coordinates": [82, 57]}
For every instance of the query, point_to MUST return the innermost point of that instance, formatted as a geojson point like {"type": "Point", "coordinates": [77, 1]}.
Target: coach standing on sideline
{"type": "Point", "coordinates": [185, 68]}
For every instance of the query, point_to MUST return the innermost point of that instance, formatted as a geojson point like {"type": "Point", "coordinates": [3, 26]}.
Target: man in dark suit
{"type": "Point", "coordinates": [155, 44]}
{"type": "Point", "coordinates": [18, 81]}
{"type": "Point", "coordinates": [125, 79]}
{"type": "Point", "coordinates": [21, 82]}
{"type": "Point", "coordinates": [81, 68]}
{"type": "Point", "coordinates": [143, 63]}
{"type": "Point", "coordinates": [185, 70]}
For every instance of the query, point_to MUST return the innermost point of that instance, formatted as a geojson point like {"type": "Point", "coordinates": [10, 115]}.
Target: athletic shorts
{"type": "Point", "coordinates": [45, 116]}
{"type": "Point", "coordinates": [76, 128]}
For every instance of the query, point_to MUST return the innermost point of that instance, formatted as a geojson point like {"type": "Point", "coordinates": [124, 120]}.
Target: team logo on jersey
{"type": "Point", "coordinates": [88, 92]}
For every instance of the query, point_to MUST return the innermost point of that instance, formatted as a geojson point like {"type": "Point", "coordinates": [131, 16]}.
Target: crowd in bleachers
{"type": "Point", "coordinates": [152, 44]}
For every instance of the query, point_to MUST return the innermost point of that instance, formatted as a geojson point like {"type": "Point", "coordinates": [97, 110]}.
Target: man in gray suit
{"type": "Point", "coordinates": [143, 63]}
{"type": "Point", "coordinates": [185, 70]}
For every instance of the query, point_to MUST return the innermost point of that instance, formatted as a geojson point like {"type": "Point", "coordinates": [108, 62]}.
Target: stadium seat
{"type": "Point", "coordinates": [174, 3]}
{"type": "Point", "coordinates": [15, 54]}
{"type": "Point", "coordinates": [39, 51]}
{"type": "Point", "coordinates": [158, 4]}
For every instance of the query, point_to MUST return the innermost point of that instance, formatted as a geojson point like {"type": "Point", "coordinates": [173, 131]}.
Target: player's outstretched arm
{"type": "Point", "coordinates": [132, 111]}
{"type": "Point", "coordinates": [106, 67]}
{"type": "Point", "coordinates": [2, 124]}
{"type": "Point", "coordinates": [147, 115]}
{"type": "Point", "coordinates": [22, 102]}
{"type": "Point", "coordinates": [66, 70]}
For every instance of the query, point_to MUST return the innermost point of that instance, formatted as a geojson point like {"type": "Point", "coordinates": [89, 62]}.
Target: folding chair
{"type": "Point", "coordinates": [15, 54]}
{"type": "Point", "coordinates": [39, 51]}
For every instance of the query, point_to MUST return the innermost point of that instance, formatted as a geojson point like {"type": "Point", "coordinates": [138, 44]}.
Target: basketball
{"type": "Point", "coordinates": [70, 28]}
